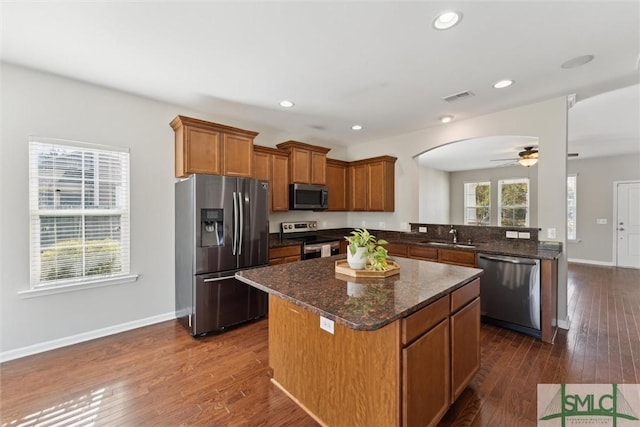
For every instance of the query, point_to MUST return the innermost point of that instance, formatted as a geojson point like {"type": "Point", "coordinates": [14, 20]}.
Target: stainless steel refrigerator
{"type": "Point", "coordinates": [221, 227]}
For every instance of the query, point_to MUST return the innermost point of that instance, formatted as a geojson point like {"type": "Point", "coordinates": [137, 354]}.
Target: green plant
{"type": "Point", "coordinates": [376, 255]}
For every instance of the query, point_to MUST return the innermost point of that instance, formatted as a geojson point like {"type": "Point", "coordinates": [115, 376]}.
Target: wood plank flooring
{"type": "Point", "coordinates": [160, 376]}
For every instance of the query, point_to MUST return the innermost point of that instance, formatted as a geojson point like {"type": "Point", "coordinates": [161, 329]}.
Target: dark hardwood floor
{"type": "Point", "coordinates": [160, 376]}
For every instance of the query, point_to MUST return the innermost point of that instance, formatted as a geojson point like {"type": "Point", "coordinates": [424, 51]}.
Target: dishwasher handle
{"type": "Point", "coordinates": [525, 261]}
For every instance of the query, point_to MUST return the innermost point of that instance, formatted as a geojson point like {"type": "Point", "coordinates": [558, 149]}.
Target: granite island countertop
{"type": "Point", "coordinates": [358, 303]}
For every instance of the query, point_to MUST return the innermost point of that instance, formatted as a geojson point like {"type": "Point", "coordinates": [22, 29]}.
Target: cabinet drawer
{"type": "Point", "coordinates": [422, 252]}
{"type": "Point", "coordinates": [457, 257]}
{"type": "Point", "coordinates": [397, 249]}
{"type": "Point", "coordinates": [421, 321]}
{"type": "Point", "coordinates": [463, 295]}
{"type": "Point", "coordinates": [284, 251]}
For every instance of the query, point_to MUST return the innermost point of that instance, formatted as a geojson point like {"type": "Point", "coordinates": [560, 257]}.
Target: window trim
{"type": "Point", "coordinates": [501, 182]}
{"type": "Point", "coordinates": [37, 287]}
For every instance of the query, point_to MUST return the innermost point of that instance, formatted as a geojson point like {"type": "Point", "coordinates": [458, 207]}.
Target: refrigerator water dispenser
{"type": "Point", "coordinates": [211, 227]}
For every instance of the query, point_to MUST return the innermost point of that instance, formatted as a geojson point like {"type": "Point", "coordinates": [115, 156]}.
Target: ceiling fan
{"type": "Point", "coordinates": [529, 157]}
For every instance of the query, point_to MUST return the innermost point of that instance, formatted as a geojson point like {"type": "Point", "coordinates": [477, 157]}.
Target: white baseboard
{"type": "Point", "coordinates": [85, 336]}
{"type": "Point", "coordinates": [592, 262]}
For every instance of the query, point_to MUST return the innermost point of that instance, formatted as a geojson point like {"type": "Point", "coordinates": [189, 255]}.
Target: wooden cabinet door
{"type": "Point", "coordinates": [261, 163]}
{"type": "Point", "coordinates": [358, 188]}
{"type": "Point", "coordinates": [396, 249]}
{"type": "Point", "coordinates": [300, 166]}
{"type": "Point", "coordinates": [202, 151]}
{"type": "Point", "coordinates": [426, 388]}
{"type": "Point", "coordinates": [279, 183]}
{"type": "Point", "coordinates": [318, 163]}
{"type": "Point", "coordinates": [455, 257]}
{"type": "Point", "coordinates": [337, 184]}
{"type": "Point", "coordinates": [422, 252]}
{"type": "Point", "coordinates": [376, 187]}
{"type": "Point", "coordinates": [465, 347]}
{"type": "Point", "coordinates": [237, 155]}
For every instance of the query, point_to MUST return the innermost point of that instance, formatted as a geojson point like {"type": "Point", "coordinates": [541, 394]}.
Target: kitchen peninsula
{"type": "Point", "coordinates": [375, 351]}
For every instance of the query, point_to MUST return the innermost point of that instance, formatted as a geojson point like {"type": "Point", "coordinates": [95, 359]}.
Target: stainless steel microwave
{"type": "Point", "coordinates": [308, 197]}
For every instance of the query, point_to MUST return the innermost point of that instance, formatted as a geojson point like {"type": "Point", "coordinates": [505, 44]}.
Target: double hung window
{"type": "Point", "coordinates": [79, 212]}
{"type": "Point", "coordinates": [513, 202]}
{"type": "Point", "coordinates": [477, 203]}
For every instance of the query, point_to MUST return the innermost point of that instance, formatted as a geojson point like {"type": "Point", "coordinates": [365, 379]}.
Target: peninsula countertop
{"type": "Point", "coordinates": [358, 303]}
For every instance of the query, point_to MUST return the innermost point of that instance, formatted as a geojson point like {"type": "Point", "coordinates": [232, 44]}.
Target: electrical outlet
{"type": "Point", "coordinates": [601, 221]}
{"type": "Point", "coordinates": [404, 226]}
{"type": "Point", "coordinates": [512, 234]}
{"type": "Point", "coordinates": [382, 225]}
{"type": "Point", "coordinates": [524, 235]}
{"type": "Point", "coordinates": [363, 224]}
{"type": "Point", "coordinates": [551, 233]}
{"type": "Point", "coordinates": [422, 229]}
{"type": "Point", "coordinates": [326, 324]}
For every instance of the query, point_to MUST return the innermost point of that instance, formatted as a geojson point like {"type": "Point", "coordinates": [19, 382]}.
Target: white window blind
{"type": "Point", "coordinates": [79, 212]}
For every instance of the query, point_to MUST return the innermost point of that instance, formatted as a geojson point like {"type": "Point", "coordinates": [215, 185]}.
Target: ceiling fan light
{"type": "Point", "coordinates": [528, 161]}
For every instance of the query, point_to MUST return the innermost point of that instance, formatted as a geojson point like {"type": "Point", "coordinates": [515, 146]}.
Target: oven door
{"type": "Point", "coordinates": [318, 250]}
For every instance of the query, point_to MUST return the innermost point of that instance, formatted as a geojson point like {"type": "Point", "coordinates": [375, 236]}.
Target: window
{"type": "Point", "coordinates": [572, 182]}
{"type": "Point", "coordinates": [477, 203]}
{"type": "Point", "coordinates": [79, 208]}
{"type": "Point", "coordinates": [513, 202]}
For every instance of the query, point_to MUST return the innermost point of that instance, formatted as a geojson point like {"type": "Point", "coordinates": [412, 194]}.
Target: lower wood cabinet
{"type": "Point", "coordinates": [446, 256]}
{"type": "Point", "coordinates": [284, 254]}
{"type": "Point", "coordinates": [396, 249]}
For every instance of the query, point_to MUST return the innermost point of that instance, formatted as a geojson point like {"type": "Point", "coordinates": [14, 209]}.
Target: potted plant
{"type": "Point", "coordinates": [365, 250]}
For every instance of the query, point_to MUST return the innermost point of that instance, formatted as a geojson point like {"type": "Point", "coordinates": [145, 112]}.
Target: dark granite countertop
{"type": "Point", "coordinates": [363, 304]}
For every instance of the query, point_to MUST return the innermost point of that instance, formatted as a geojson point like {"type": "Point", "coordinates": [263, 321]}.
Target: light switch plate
{"type": "Point", "coordinates": [601, 221]}
{"type": "Point", "coordinates": [512, 234]}
{"type": "Point", "coordinates": [551, 233]}
{"type": "Point", "coordinates": [326, 324]}
{"type": "Point", "coordinates": [422, 229]}
{"type": "Point", "coordinates": [524, 235]}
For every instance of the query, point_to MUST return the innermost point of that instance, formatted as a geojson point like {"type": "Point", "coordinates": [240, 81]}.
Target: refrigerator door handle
{"type": "Point", "coordinates": [241, 205]}
{"type": "Point", "coordinates": [235, 223]}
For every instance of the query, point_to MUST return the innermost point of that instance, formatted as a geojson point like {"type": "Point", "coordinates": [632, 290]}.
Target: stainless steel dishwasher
{"type": "Point", "coordinates": [510, 292]}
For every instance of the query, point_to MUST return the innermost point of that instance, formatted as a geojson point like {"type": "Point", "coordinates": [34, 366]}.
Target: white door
{"type": "Point", "coordinates": [628, 225]}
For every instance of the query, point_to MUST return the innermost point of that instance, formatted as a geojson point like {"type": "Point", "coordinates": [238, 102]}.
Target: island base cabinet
{"type": "Point", "coordinates": [349, 378]}
{"type": "Point", "coordinates": [426, 378]}
{"type": "Point", "coordinates": [465, 347]}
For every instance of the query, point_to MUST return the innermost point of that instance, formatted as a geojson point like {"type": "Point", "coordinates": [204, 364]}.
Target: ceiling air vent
{"type": "Point", "coordinates": [458, 96]}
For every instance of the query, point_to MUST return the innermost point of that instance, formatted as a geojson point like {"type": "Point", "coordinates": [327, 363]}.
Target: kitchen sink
{"type": "Point", "coordinates": [429, 242]}
{"type": "Point", "coordinates": [449, 245]}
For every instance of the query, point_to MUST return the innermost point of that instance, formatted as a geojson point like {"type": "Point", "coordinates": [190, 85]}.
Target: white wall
{"type": "Point", "coordinates": [434, 196]}
{"type": "Point", "coordinates": [595, 200]}
{"type": "Point", "coordinates": [35, 103]}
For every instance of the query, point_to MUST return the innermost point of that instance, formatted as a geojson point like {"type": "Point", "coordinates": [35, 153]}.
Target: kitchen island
{"type": "Point", "coordinates": [372, 352]}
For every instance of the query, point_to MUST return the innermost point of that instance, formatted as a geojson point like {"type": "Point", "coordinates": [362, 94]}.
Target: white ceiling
{"type": "Point", "coordinates": [378, 64]}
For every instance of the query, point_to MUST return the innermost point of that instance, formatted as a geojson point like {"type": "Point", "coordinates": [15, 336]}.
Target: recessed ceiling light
{"type": "Point", "coordinates": [286, 104]}
{"type": "Point", "coordinates": [356, 127]}
{"type": "Point", "coordinates": [577, 61]}
{"type": "Point", "coordinates": [502, 84]}
{"type": "Point", "coordinates": [446, 119]}
{"type": "Point", "coordinates": [447, 19]}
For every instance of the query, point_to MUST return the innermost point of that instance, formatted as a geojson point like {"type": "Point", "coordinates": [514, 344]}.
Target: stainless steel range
{"type": "Point", "coordinates": [314, 245]}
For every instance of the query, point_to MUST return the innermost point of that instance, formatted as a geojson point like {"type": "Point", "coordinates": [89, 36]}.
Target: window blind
{"type": "Point", "coordinates": [79, 211]}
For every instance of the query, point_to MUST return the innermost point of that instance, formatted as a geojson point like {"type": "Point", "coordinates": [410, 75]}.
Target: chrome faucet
{"type": "Point", "coordinates": [455, 234]}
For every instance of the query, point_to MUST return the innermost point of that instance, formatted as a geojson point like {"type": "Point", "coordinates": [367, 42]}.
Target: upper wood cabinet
{"type": "Point", "coordinates": [206, 147]}
{"type": "Point", "coordinates": [372, 184]}
{"type": "Point", "coordinates": [273, 165]}
{"type": "Point", "coordinates": [307, 163]}
{"type": "Point", "coordinates": [337, 184]}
